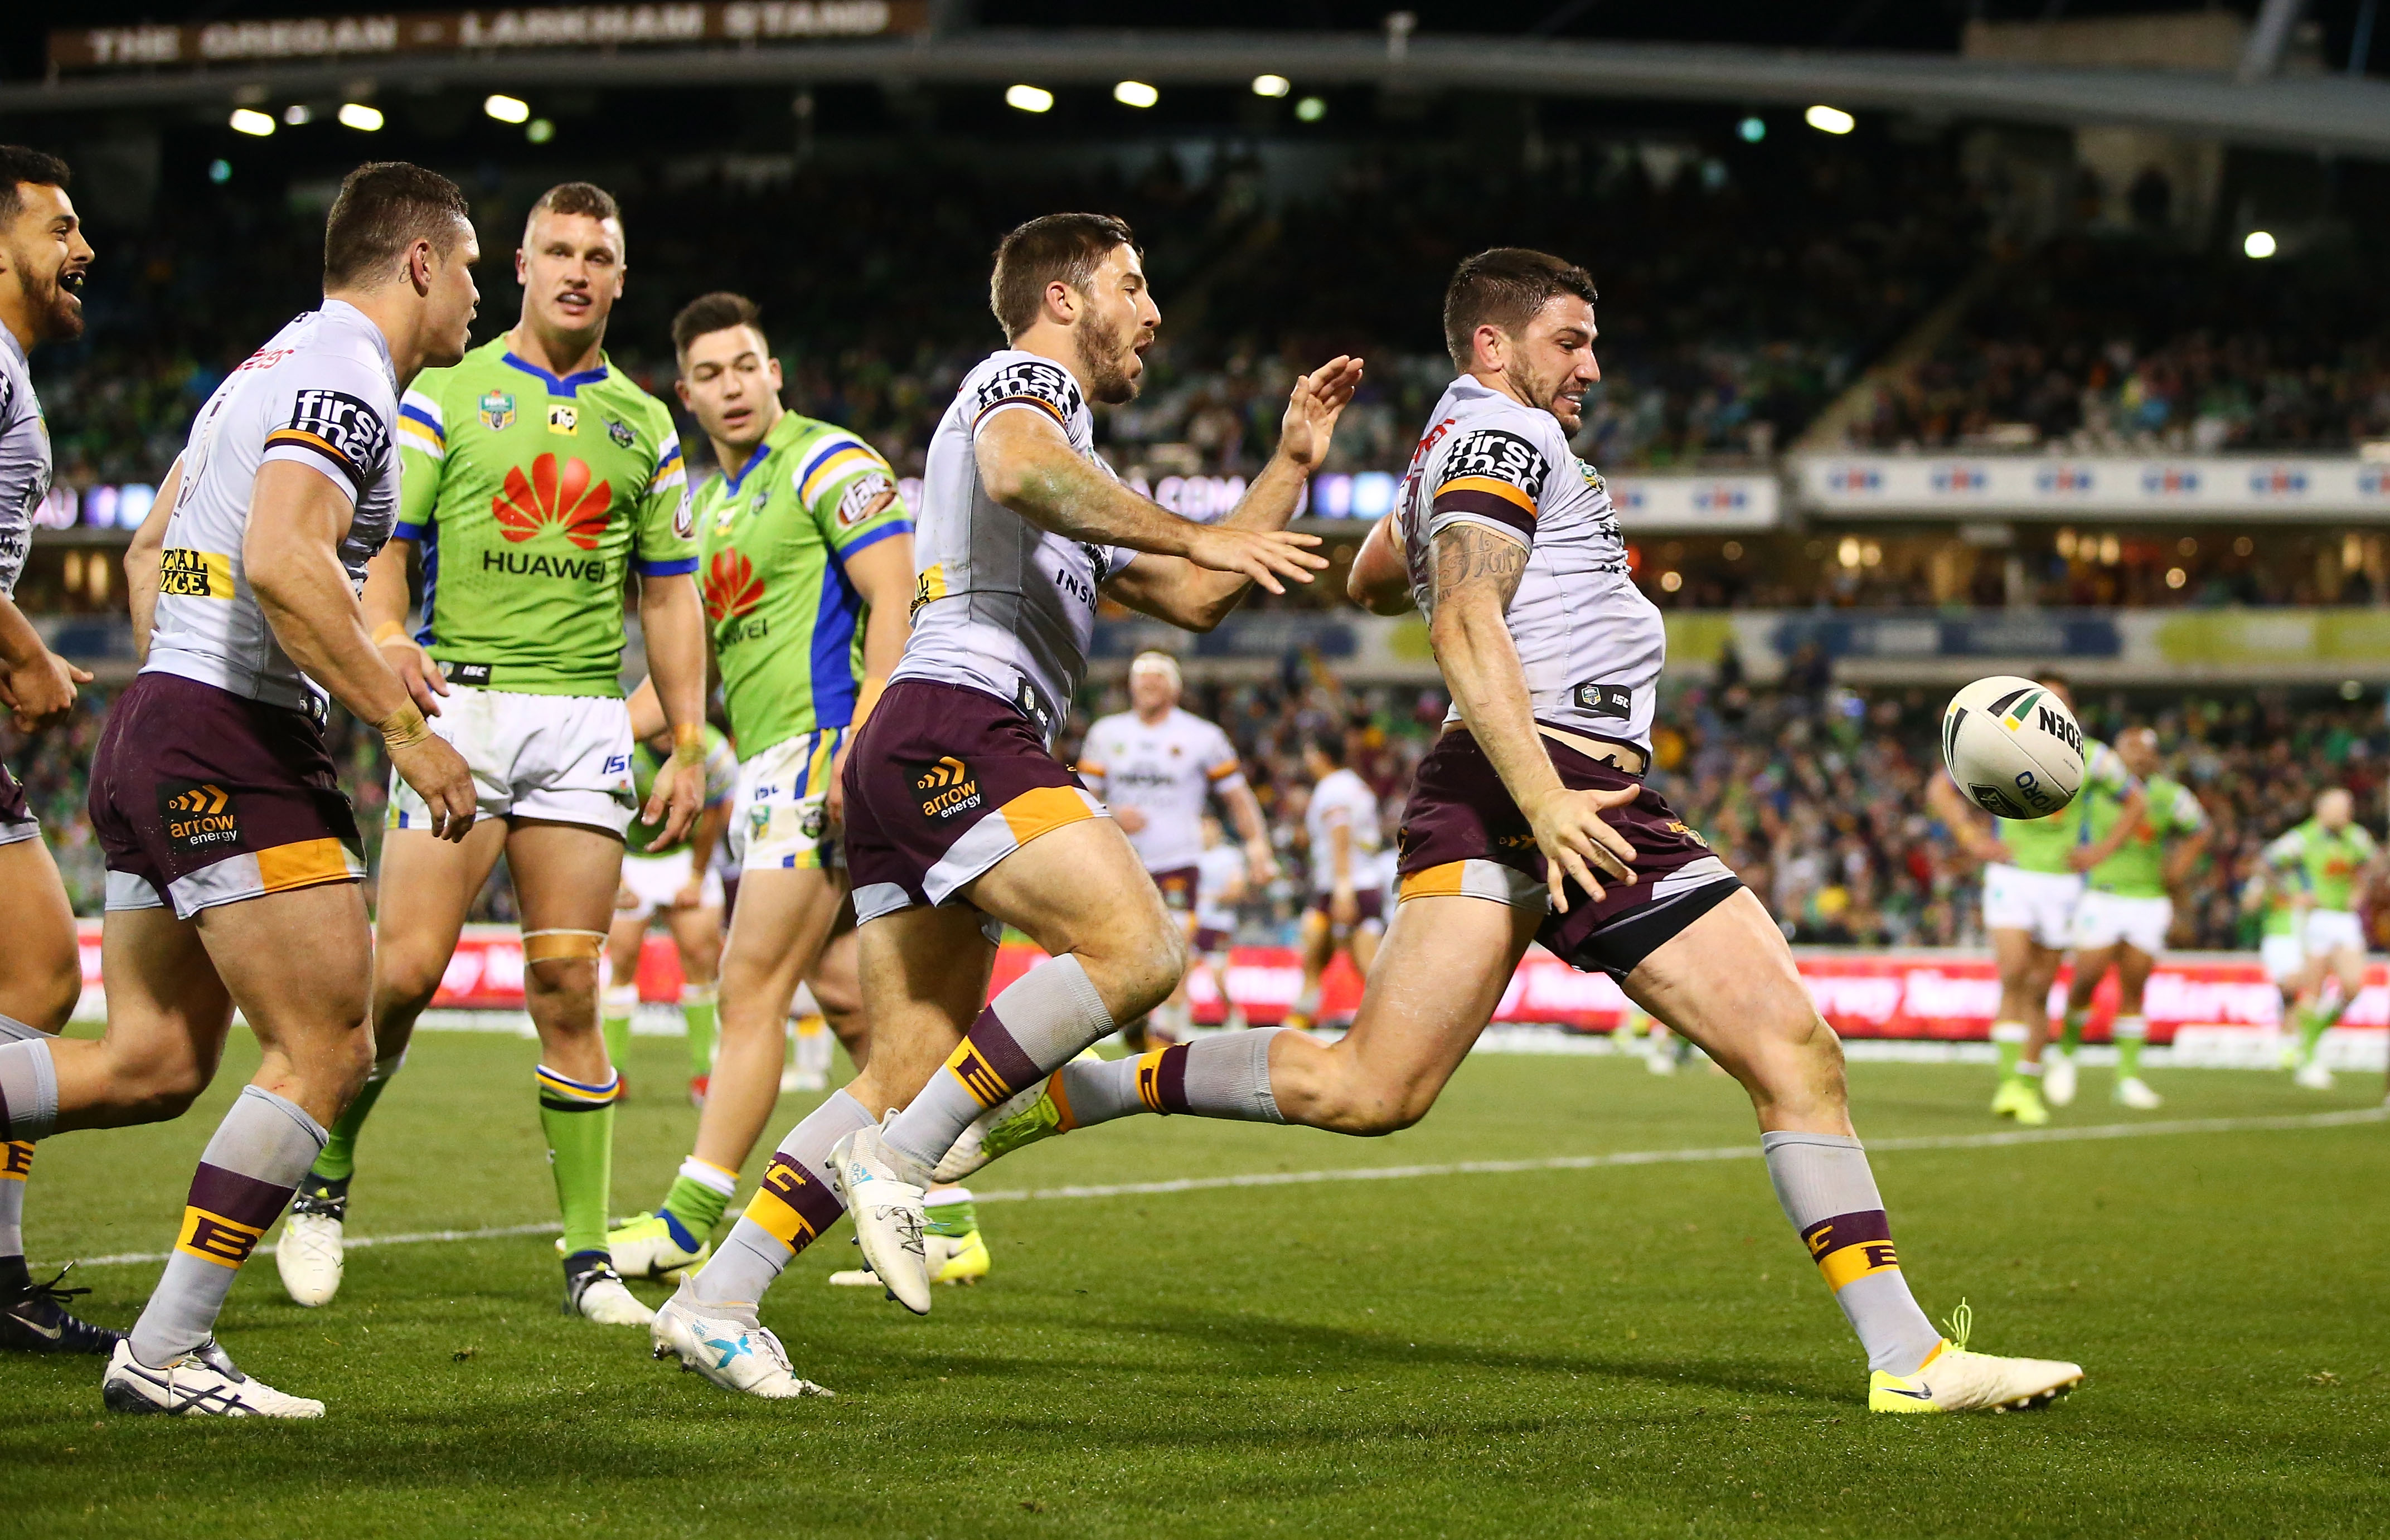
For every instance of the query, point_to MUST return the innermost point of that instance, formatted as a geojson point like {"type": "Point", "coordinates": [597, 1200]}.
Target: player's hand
{"type": "Point", "coordinates": [1130, 820]}
{"type": "Point", "coordinates": [425, 683]}
{"type": "Point", "coordinates": [1262, 863]}
{"type": "Point", "coordinates": [834, 799]}
{"type": "Point", "coordinates": [624, 899]}
{"type": "Point", "coordinates": [1343, 909]}
{"type": "Point", "coordinates": [2082, 858]}
{"type": "Point", "coordinates": [1576, 841]}
{"type": "Point", "coordinates": [43, 691]}
{"type": "Point", "coordinates": [438, 775]}
{"type": "Point", "coordinates": [1261, 556]}
{"type": "Point", "coordinates": [1994, 850]}
{"type": "Point", "coordinates": [1312, 409]}
{"type": "Point", "coordinates": [689, 894]}
{"type": "Point", "coordinates": [679, 794]}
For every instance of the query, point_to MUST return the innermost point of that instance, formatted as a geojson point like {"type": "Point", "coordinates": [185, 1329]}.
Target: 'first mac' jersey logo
{"type": "Point", "coordinates": [1036, 382]}
{"type": "Point", "coordinates": [353, 430]}
{"type": "Point", "coordinates": [1501, 456]}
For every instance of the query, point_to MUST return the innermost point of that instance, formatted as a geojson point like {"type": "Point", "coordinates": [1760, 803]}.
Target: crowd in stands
{"type": "Point", "coordinates": [2130, 343]}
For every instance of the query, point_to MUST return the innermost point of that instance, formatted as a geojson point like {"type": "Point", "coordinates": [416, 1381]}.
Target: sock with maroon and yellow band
{"type": "Point", "coordinates": [791, 1210]}
{"type": "Point", "coordinates": [1039, 1023]}
{"type": "Point", "coordinates": [16, 1155]}
{"type": "Point", "coordinates": [1224, 1075]}
{"type": "Point", "coordinates": [1829, 1193]}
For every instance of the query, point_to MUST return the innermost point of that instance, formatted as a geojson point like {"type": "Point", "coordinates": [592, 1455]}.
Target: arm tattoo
{"type": "Point", "coordinates": [1468, 556]}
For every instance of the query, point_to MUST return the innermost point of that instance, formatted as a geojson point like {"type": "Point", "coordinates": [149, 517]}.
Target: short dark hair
{"type": "Point", "coordinates": [575, 197]}
{"type": "Point", "coordinates": [1069, 246]}
{"type": "Point", "coordinates": [710, 312]}
{"type": "Point", "coordinates": [1504, 287]}
{"type": "Point", "coordinates": [1331, 743]}
{"type": "Point", "coordinates": [385, 207]}
{"type": "Point", "coordinates": [19, 166]}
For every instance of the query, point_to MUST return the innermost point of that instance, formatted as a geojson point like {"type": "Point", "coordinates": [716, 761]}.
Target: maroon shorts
{"type": "Point", "coordinates": [1464, 835]}
{"type": "Point", "coordinates": [1368, 903]}
{"type": "Point", "coordinates": [17, 821]}
{"type": "Point", "coordinates": [1210, 941]}
{"type": "Point", "coordinates": [1177, 886]}
{"type": "Point", "coordinates": [942, 783]}
{"type": "Point", "coordinates": [202, 797]}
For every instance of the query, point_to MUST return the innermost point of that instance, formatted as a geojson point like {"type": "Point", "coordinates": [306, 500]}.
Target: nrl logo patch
{"type": "Point", "coordinates": [497, 411]}
{"type": "Point", "coordinates": [620, 432]}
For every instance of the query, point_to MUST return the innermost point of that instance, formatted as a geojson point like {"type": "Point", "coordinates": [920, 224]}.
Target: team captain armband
{"type": "Point", "coordinates": [1495, 475]}
{"type": "Point", "coordinates": [1029, 382]}
{"type": "Point", "coordinates": [340, 431]}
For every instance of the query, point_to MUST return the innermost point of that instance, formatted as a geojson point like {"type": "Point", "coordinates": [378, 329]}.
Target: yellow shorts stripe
{"type": "Point", "coordinates": [302, 865]}
{"type": "Point", "coordinates": [1490, 881]}
{"type": "Point", "coordinates": [1043, 810]}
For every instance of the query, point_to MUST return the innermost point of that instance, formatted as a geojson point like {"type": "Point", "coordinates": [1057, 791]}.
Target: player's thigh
{"type": "Point", "coordinates": [2133, 969]}
{"type": "Point", "coordinates": [1728, 982]}
{"type": "Point", "coordinates": [168, 1017]}
{"type": "Point", "coordinates": [696, 931]}
{"type": "Point", "coordinates": [2013, 950]}
{"type": "Point", "coordinates": [41, 966]}
{"type": "Point", "coordinates": [777, 935]}
{"type": "Point", "coordinates": [1438, 977]}
{"type": "Point", "coordinates": [2092, 964]}
{"type": "Point", "coordinates": [923, 974]}
{"type": "Point", "coordinates": [624, 939]}
{"type": "Point", "coordinates": [424, 891]}
{"type": "Point", "coordinates": [299, 964]}
{"type": "Point", "coordinates": [1081, 888]}
{"type": "Point", "coordinates": [565, 875]}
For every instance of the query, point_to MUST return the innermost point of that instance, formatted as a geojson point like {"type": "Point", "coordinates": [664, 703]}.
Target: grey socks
{"type": "Point", "coordinates": [789, 1210]}
{"type": "Point", "coordinates": [1827, 1190]}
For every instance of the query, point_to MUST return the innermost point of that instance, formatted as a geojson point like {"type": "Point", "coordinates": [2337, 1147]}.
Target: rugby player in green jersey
{"type": "Point", "coordinates": [2124, 914]}
{"type": "Point", "coordinates": [808, 580]}
{"type": "Point", "coordinates": [676, 881]}
{"type": "Point", "coordinates": [2033, 875]}
{"type": "Point", "coordinates": [537, 480]}
{"type": "Point", "coordinates": [2330, 859]}
{"type": "Point", "coordinates": [2266, 892]}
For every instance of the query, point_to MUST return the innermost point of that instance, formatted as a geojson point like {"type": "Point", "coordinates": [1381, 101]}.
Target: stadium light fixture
{"type": "Point", "coordinates": [2258, 244]}
{"type": "Point", "coordinates": [364, 119]}
{"type": "Point", "coordinates": [1028, 99]}
{"type": "Point", "coordinates": [540, 131]}
{"type": "Point", "coordinates": [1311, 110]}
{"type": "Point", "coordinates": [1751, 129]}
{"type": "Point", "coordinates": [1830, 119]}
{"type": "Point", "coordinates": [249, 121]}
{"type": "Point", "coordinates": [298, 113]}
{"type": "Point", "coordinates": [219, 172]}
{"type": "Point", "coordinates": [1134, 93]}
{"type": "Point", "coordinates": [1272, 85]}
{"type": "Point", "coordinates": [506, 109]}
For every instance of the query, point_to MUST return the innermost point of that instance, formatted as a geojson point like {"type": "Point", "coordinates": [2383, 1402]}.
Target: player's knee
{"type": "Point", "coordinates": [157, 1090]}
{"type": "Point", "coordinates": [49, 998]}
{"type": "Point", "coordinates": [1142, 968]}
{"type": "Point", "coordinates": [406, 977]}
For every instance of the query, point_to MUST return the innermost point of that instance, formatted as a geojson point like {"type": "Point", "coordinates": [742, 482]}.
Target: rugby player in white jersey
{"type": "Point", "coordinates": [1348, 880]}
{"type": "Point", "coordinates": [1155, 765]}
{"type": "Point", "coordinates": [43, 257]}
{"type": "Point", "coordinates": [1221, 874]}
{"type": "Point", "coordinates": [960, 819]}
{"type": "Point", "coordinates": [233, 858]}
{"type": "Point", "coordinates": [1529, 821]}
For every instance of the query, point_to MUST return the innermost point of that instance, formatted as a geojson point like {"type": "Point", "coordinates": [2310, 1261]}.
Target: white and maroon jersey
{"type": "Point", "coordinates": [999, 604]}
{"type": "Point", "coordinates": [322, 394]}
{"type": "Point", "coordinates": [1343, 800]}
{"type": "Point", "coordinates": [24, 460]}
{"type": "Point", "coordinates": [1166, 771]}
{"type": "Point", "coordinates": [1217, 870]}
{"type": "Point", "coordinates": [1591, 644]}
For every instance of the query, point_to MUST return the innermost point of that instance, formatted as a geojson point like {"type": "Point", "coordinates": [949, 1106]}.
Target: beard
{"type": "Point", "coordinates": [1103, 354]}
{"type": "Point", "coordinates": [1546, 393]}
{"type": "Point", "coordinates": [57, 313]}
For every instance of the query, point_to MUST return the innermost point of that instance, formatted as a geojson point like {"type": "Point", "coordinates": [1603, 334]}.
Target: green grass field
{"type": "Point", "coordinates": [1630, 1348]}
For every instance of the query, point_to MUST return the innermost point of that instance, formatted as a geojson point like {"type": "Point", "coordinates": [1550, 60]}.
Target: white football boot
{"type": "Point", "coordinates": [202, 1382]}
{"type": "Point", "coordinates": [2313, 1075]}
{"type": "Point", "coordinates": [310, 1254]}
{"type": "Point", "coordinates": [598, 1294]}
{"type": "Point", "coordinates": [2058, 1078]}
{"type": "Point", "coordinates": [885, 1195]}
{"type": "Point", "coordinates": [729, 1346]}
{"type": "Point", "coordinates": [2134, 1092]}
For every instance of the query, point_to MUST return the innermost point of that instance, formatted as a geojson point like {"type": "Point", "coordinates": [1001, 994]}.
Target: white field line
{"type": "Point", "coordinates": [1486, 1168]}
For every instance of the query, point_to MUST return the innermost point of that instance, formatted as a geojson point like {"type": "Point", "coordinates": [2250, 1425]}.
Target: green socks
{"type": "Point", "coordinates": [2070, 1036]}
{"type": "Point", "coordinates": [578, 1121]}
{"type": "Point", "coordinates": [2008, 1041]}
{"type": "Point", "coordinates": [698, 1198]}
{"type": "Point", "coordinates": [949, 1212]}
{"type": "Point", "coordinates": [2129, 1033]}
{"type": "Point", "coordinates": [616, 1006]}
{"type": "Point", "coordinates": [697, 1010]}
{"type": "Point", "coordinates": [338, 1160]}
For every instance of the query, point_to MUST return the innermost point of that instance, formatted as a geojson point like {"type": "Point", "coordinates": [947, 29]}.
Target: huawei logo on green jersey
{"type": "Point", "coordinates": [731, 586]}
{"type": "Point", "coordinates": [547, 497]}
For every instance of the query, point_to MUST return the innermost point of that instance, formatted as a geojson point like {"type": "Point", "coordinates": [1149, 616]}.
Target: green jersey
{"type": "Point", "coordinates": [2040, 844]}
{"type": "Point", "coordinates": [787, 623]}
{"type": "Point", "coordinates": [2326, 862]}
{"type": "Point", "coordinates": [721, 775]}
{"type": "Point", "coordinates": [531, 496]}
{"type": "Point", "coordinates": [2137, 869]}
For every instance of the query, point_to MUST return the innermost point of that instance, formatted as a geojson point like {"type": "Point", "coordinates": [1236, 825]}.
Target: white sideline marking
{"type": "Point", "coordinates": [1481, 1168]}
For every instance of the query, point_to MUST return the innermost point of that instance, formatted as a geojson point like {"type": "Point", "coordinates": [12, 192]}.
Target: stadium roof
{"type": "Point", "coordinates": [2335, 114]}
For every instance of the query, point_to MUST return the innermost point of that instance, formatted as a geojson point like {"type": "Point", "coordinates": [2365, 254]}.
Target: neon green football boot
{"type": "Point", "coordinates": [1953, 1380]}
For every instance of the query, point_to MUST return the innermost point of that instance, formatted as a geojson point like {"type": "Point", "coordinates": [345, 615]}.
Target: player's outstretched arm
{"type": "Point", "coordinates": [290, 554]}
{"type": "Point", "coordinates": [1476, 573]}
{"type": "Point", "coordinates": [1380, 581]}
{"type": "Point", "coordinates": [673, 623]}
{"type": "Point", "coordinates": [141, 559]}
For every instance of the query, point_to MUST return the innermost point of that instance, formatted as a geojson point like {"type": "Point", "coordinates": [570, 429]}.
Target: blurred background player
{"type": "Point", "coordinates": [2122, 917]}
{"type": "Point", "coordinates": [2330, 861]}
{"type": "Point", "coordinates": [679, 882]}
{"type": "Point", "coordinates": [2267, 894]}
{"type": "Point", "coordinates": [538, 479]}
{"type": "Point", "coordinates": [1221, 874]}
{"type": "Point", "coordinates": [43, 259]}
{"type": "Point", "coordinates": [2033, 875]}
{"type": "Point", "coordinates": [809, 556]}
{"type": "Point", "coordinates": [1156, 765]}
{"type": "Point", "coordinates": [1348, 902]}
{"type": "Point", "coordinates": [234, 861]}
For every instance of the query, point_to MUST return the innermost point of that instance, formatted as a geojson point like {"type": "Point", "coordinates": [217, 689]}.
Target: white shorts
{"type": "Point", "coordinates": [2285, 958]}
{"type": "Point", "coordinates": [563, 757]}
{"type": "Point", "coordinates": [780, 815]}
{"type": "Point", "coordinates": [2041, 903]}
{"type": "Point", "coordinates": [2104, 920]}
{"type": "Point", "coordinates": [2327, 931]}
{"type": "Point", "coordinates": [656, 881]}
